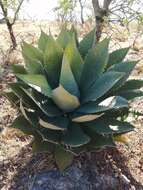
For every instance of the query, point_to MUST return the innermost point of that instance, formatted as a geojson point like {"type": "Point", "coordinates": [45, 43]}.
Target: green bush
{"type": "Point", "coordinates": [73, 97]}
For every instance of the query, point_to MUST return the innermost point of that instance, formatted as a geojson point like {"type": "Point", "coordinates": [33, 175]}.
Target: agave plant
{"type": "Point", "coordinates": [73, 97]}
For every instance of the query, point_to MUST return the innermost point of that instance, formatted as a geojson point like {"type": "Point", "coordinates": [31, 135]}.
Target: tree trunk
{"type": "Point", "coordinates": [81, 16]}
{"type": "Point", "coordinates": [8, 23]}
{"type": "Point", "coordinates": [81, 12]}
{"type": "Point", "coordinates": [100, 13]}
{"type": "Point", "coordinates": [99, 27]}
{"type": "Point", "coordinates": [9, 26]}
{"type": "Point", "coordinates": [12, 36]}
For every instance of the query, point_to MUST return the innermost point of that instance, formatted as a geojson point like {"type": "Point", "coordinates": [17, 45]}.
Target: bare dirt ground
{"type": "Point", "coordinates": [17, 162]}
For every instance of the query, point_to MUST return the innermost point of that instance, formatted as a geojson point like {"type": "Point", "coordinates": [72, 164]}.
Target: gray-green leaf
{"type": "Point", "coordinates": [95, 63]}
{"type": "Point", "coordinates": [117, 56]}
{"type": "Point", "coordinates": [63, 158]}
{"type": "Point", "coordinates": [75, 136]}
{"type": "Point", "coordinates": [102, 85]}
{"type": "Point", "coordinates": [86, 43]}
{"type": "Point", "coordinates": [38, 82]}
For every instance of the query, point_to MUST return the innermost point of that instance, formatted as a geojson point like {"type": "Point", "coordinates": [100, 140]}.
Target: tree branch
{"type": "Point", "coordinates": [3, 10]}
{"type": "Point", "coordinates": [106, 4]}
{"type": "Point", "coordinates": [96, 7]}
{"type": "Point", "coordinates": [81, 11]}
{"type": "Point", "coordinates": [100, 13]}
{"type": "Point", "coordinates": [17, 11]}
{"type": "Point", "coordinates": [9, 25]}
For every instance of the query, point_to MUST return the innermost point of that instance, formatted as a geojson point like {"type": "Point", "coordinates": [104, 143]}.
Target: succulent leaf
{"type": "Point", "coordinates": [23, 111]}
{"type": "Point", "coordinates": [47, 108]}
{"type": "Point", "coordinates": [53, 55]}
{"type": "Point", "coordinates": [131, 94]}
{"type": "Point", "coordinates": [74, 136]}
{"type": "Point", "coordinates": [107, 126]}
{"type": "Point", "coordinates": [102, 85]}
{"type": "Point", "coordinates": [63, 158]}
{"type": "Point", "coordinates": [64, 100]}
{"type": "Point", "coordinates": [109, 104]}
{"type": "Point", "coordinates": [99, 141]}
{"type": "Point", "coordinates": [132, 85]}
{"type": "Point", "coordinates": [121, 138]}
{"type": "Point", "coordinates": [22, 124]}
{"type": "Point", "coordinates": [86, 43]}
{"type": "Point", "coordinates": [95, 63]}
{"type": "Point", "coordinates": [67, 79]}
{"type": "Point", "coordinates": [49, 135]}
{"type": "Point", "coordinates": [42, 42]}
{"type": "Point", "coordinates": [56, 123]}
{"type": "Point", "coordinates": [39, 146]}
{"type": "Point", "coordinates": [20, 93]}
{"type": "Point", "coordinates": [75, 60]}
{"type": "Point", "coordinates": [29, 115]}
{"type": "Point", "coordinates": [126, 67]}
{"type": "Point", "coordinates": [19, 69]}
{"type": "Point", "coordinates": [46, 104]}
{"type": "Point", "coordinates": [38, 82]}
{"type": "Point", "coordinates": [29, 51]}
{"type": "Point", "coordinates": [34, 66]}
{"type": "Point", "coordinates": [80, 118]}
{"type": "Point", "coordinates": [50, 108]}
{"type": "Point", "coordinates": [73, 97]}
{"type": "Point", "coordinates": [117, 56]}
{"type": "Point", "coordinates": [64, 38]}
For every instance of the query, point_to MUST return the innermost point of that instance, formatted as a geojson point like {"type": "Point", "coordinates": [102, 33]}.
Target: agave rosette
{"type": "Point", "coordinates": [72, 96]}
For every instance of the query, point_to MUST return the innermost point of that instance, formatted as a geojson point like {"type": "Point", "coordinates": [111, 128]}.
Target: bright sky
{"type": "Point", "coordinates": [39, 9]}
{"type": "Point", "coordinates": [43, 9]}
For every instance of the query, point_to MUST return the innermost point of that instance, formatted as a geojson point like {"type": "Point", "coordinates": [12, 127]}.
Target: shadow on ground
{"type": "Point", "coordinates": [26, 166]}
